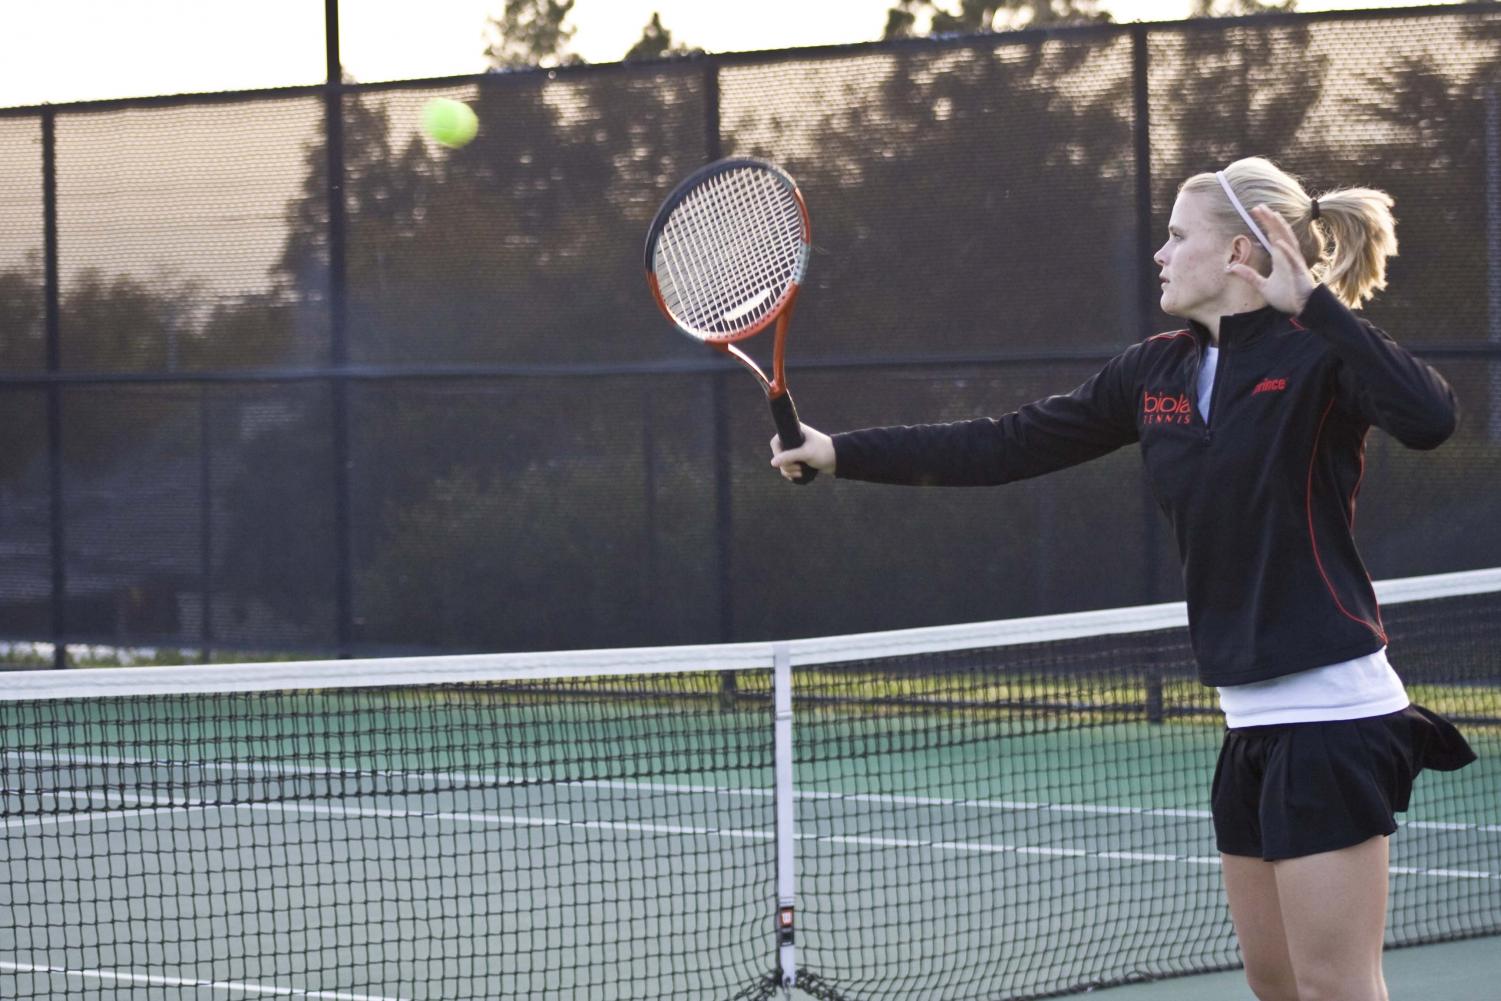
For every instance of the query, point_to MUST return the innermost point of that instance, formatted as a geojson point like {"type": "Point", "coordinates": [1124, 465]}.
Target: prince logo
{"type": "Point", "coordinates": [1270, 386]}
{"type": "Point", "coordinates": [1164, 408]}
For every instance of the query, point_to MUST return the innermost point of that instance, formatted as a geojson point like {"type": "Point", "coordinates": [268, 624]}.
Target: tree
{"type": "Point", "coordinates": [1233, 98]}
{"type": "Point", "coordinates": [1241, 8]}
{"type": "Point", "coordinates": [1433, 159]}
{"type": "Point", "coordinates": [379, 184]}
{"type": "Point", "coordinates": [23, 428]}
{"type": "Point", "coordinates": [532, 33]}
{"type": "Point", "coordinates": [21, 344]}
{"type": "Point", "coordinates": [504, 251]}
{"type": "Point", "coordinates": [656, 42]}
{"type": "Point", "coordinates": [935, 177]}
{"type": "Point", "coordinates": [988, 15]}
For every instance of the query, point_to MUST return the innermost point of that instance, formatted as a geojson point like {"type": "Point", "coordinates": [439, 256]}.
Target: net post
{"type": "Point", "coordinates": [785, 817]}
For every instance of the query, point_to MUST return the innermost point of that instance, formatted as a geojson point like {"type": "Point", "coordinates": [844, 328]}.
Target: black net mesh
{"type": "Point", "coordinates": [321, 844]}
{"type": "Point", "coordinates": [283, 428]}
{"type": "Point", "coordinates": [1017, 817]}
{"type": "Point", "coordinates": [1029, 821]}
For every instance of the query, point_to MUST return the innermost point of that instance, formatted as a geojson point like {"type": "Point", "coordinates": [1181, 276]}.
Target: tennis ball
{"type": "Point", "coordinates": [452, 123]}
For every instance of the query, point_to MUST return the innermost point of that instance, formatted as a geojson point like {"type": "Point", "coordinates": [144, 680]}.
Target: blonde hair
{"type": "Point", "coordinates": [1346, 247]}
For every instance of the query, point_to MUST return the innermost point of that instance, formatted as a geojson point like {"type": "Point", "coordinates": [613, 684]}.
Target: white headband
{"type": "Point", "coordinates": [1225, 183]}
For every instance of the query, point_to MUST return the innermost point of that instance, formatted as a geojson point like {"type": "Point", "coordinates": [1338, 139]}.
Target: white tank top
{"type": "Point", "coordinates": [1351, 689]}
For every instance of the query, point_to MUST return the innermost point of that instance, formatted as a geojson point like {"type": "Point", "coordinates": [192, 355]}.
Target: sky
{"type": "Point", "coordinates": [57, 51]}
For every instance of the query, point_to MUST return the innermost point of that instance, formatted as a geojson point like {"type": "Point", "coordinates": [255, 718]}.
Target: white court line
{"type": "Point", "coordinates": [1043, 850]}
{"type": "Point", "coordinates": [58, 820]}
{"type": "Point", "coordinates": [515, 820]}
{"type": "Point", "coordinates": [491, 819]}
{"type": "Point", "coordinates": [1114, 856]}
{"type": "Point", "coordinates": [154, 980]}
{"type": "Point", "coordinates": [618, 784]}
{"type": "Point", "coordinates": [291, 768]}
{"type": "Point", "coordinates": [665, 787]}
{"type": "Point", "coordinates": [1402, 870]}
{"type": "Point", "coordinates": [854, 839]}
{"type": "Point", "coordinates": [1139, 856]}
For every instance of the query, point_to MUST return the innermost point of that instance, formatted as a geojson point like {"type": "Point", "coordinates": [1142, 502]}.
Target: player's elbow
{"type": "Point", "coordinates": [1431, 429]}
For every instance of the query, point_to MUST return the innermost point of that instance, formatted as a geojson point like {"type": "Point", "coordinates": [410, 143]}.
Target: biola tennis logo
{"type": "Point", "coordinates": [1164, 408]}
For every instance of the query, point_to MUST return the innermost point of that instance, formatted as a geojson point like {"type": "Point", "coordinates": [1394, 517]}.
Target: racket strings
{"type": "Point", "coordinates": [756, 252]}
{"type": "Point", "coordinates": [729, 252]}
{"type": "Point", "coordinates": [725, 268]}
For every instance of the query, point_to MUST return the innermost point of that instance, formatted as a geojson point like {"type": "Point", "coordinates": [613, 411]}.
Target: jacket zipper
{"type": "Point", "coordinates": [1214, 389]}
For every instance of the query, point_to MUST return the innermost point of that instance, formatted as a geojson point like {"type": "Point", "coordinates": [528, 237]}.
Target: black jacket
{"type": "Point", "coordinates": [1262, 501]}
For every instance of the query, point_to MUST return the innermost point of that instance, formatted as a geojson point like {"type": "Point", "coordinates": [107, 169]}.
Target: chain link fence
{"type": "Point", "coordinates": [279, 374]}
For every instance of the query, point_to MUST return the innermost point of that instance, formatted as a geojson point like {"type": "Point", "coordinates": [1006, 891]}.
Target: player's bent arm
{"type": "Point", "coordinates": [1379, 379]}
{"type": "Point", "coordinates": [817, 451]}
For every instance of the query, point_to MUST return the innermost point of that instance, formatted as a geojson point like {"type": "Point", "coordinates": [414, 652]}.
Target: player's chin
{"type": "Point", "coordinates": [1169, 302]}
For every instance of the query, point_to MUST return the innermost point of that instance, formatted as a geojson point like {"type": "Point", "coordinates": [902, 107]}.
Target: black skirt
{"type": "Point", "coordinates": [1296, 789]}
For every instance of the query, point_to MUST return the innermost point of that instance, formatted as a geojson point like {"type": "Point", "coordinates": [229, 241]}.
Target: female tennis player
{"type": "Point", "coordinates": [1252, 424]}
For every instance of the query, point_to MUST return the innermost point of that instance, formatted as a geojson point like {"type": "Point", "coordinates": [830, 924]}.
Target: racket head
{"type": "Point", "coordinates": [728, 249]}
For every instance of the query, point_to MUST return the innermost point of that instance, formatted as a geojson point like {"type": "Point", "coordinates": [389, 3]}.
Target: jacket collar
{"type": "Point", "coordinates": [1241, 328]}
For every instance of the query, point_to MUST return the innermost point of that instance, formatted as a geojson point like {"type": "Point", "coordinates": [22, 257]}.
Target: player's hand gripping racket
{"type": "Point", "coordinates": [724, 259]}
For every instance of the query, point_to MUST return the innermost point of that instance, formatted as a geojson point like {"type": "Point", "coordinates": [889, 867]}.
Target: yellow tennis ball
{"type": "Point", "coordinates": [452, 123]}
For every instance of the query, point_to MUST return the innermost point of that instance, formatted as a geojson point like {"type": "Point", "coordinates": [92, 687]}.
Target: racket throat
{"type": "Point", "coordinates": [771, 387]}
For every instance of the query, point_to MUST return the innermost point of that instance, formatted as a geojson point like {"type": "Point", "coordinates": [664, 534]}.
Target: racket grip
{"type": "Point", "coordinates": [790, 430]}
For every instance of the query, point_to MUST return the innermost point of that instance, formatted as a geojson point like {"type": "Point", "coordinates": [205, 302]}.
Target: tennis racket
{"type": "Point", "coordinates": [724, 259]}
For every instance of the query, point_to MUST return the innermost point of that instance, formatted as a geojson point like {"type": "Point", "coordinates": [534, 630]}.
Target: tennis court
{"type": "Point", "coordinates": [286, 373]}
{"type": "Point", "coordinates": [1007, 820]}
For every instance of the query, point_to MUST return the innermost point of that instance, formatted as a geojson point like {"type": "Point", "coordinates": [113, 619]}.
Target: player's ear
{"type": "Point", "coordinates": [1237, 251]}
{"type": "Point", "coordinates": [1241, 250]}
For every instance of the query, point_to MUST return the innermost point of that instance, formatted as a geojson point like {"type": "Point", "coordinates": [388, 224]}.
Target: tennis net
{"type": "Point", "coordinates": [998, 810]}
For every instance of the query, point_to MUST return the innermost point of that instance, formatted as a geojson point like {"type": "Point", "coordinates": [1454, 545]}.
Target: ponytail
{"type": "Point", "coordinates": [1361, 233]}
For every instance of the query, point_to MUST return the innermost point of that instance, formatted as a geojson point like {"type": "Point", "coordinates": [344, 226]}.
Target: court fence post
{"type": "Point", "coordinates": [56, 509]}
{"type": "Point", "coordinates": [205, 523]}
{"type": "Point", "coordinates": [724, 518]}
{"type": "Point", "coordinates": [337, 325]}
{"type": "Point", "coordinates": [1491, 108]}
{"type": "Point", "coordinates": [1146, 285]}
{"type": "Point", "coordinates": [1146, 292]}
